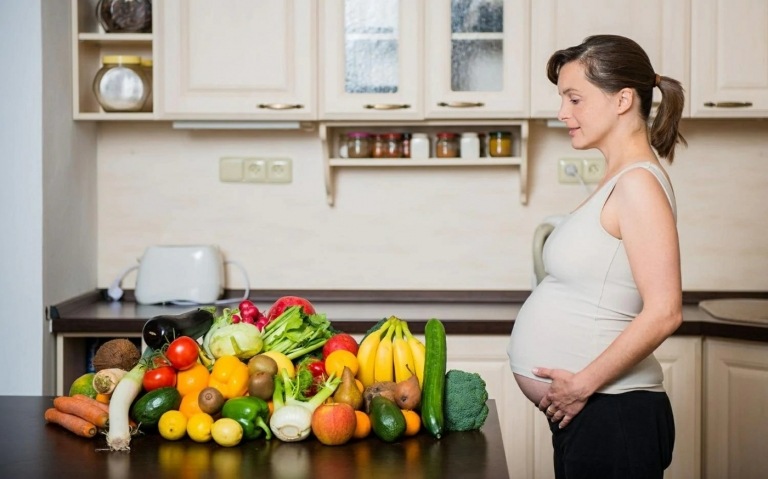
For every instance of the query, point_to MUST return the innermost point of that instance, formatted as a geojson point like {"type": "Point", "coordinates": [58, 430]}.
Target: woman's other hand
{"type": "Point", "coordinates": [565, 397]}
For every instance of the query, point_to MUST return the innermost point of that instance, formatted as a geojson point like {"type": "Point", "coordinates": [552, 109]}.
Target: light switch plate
{"type": "Point", "coordinates": [231, 169]}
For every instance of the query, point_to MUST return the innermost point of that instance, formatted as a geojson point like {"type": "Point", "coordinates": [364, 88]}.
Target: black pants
{"type": "Point", "coordinates": [627, 436]}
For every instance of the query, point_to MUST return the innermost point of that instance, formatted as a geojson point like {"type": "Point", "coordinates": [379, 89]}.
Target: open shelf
{"type": "Point", "coordinates": [333, 134]}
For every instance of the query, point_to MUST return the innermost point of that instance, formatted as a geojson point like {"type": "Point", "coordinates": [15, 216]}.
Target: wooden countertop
{"type": "Point", "coordinates": [91, 313]}
{"type": "Point", "coordinates": [30, 448]}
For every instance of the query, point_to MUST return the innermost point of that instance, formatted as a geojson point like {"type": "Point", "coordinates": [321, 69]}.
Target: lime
{"type": "Point", "coordinates": [227, 432]}
{"type": "Point", "coordinates": [172, 425]}
{"type": "Point", "coordinates": [83, 385]}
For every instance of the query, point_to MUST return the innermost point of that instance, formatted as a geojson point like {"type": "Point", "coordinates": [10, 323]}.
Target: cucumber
{"type": "Point", "coordinates": [148, 408]}
{"type": "Point", "coordinates": [387, 420]}
{"type": "Point", "coordinates": [434, 378]}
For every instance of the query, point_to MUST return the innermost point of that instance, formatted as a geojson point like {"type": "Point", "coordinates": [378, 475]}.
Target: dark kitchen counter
{"type": "Point", "coordinates": [91, 313]}
{"type": "Point", "coordinates": [30, 448]}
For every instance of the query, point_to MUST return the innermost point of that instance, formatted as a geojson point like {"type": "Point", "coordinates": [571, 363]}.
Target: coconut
{"type": "Point", "coordinates": [116, 353]}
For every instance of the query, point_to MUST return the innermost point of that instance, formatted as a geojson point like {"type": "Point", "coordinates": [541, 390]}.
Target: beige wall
{"type": "Point", "coordinates": [406, 228]}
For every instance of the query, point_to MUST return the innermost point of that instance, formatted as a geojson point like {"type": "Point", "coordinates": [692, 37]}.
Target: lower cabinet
{"type": "Point", "coordinates": [527, 439]}
{"type": "Point", "coordinates": [736, 409]}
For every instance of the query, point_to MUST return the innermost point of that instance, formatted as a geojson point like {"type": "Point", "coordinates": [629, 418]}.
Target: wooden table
{"type": "Point", "coordinates": [31, 449]}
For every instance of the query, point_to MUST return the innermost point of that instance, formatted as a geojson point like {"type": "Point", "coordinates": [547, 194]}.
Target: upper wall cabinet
{"type": "Point", "coordinates": [477, 59]}
{"type": "Point", "coordinates": [729, 49]}
{"type": "Point", "coordinates": [370, 51]}
{"type": "Point", "coordinates": [661, 27]}
{"type": "Point", "coordinates": [236, 59]}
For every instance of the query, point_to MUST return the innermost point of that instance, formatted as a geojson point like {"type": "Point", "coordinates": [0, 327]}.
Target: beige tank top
{"type": "Point", "coordinates": [587, 299]}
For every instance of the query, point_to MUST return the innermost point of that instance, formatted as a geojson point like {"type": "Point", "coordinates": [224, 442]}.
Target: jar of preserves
{"type": "Point", "coordinates": [447, 145]}
{"type": "Point", "coordinates": [378, 146]}
{"type": "Point", "coordinates": [120, 85]}
{"type": "Point", "coordinates": [393, 145]}
{"type": "Point", "coordinates": [420, 145]}
{"type": "Point", "coordinates": [406, 145]}
{"type": "Point", "coordinates": [359, 144]}
{"type": "Point", "coordinates": [500, 143]}
{"type": "Point", "coordinates": [470, 145]}
{"type": "Point", "coordinates": [125, 16]}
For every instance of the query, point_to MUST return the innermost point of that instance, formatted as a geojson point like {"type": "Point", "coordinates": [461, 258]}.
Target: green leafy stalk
{"type": "Point", "coordinates": [295, 333]}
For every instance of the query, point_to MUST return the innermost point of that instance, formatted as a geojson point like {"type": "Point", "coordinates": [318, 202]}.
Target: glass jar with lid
{"type": "Point", "coordinates": [393, 145]}
{"type": "Point", "coordinates": [500, 144]}
{"type": "Point", "coordinates": [447, 145]}
{"type": "Point", "coordinates": [378, 146]}
{"type": "Point", "coordinates": [125, 16]}
{"type": "Point", "coordinates": [120, 84]}
{"type": "Point", "coordinates": [359, 144]}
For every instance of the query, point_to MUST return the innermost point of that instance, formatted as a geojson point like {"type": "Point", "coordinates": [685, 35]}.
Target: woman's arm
{"type": "Point", "coordinates": [638, 210]}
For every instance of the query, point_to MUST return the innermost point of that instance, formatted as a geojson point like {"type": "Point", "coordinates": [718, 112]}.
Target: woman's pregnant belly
{"type": "Point", "coordinates": [533, 389]}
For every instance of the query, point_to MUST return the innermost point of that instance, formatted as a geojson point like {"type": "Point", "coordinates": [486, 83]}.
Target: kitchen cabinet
{"type": "Point", "coordinates": [236, 59]}
{"type": "Point", "coordinates": [662, 28]}
{"type": "Point", "coordinates": [736, 409]}
{"type": "Point", "coordinates": [333, 136]}
{"type": "Point", "coordinates": [729, 50]}
{"type": "Point", "coordinates": [73, 352]}
{"type": "Point", "coordinates": [398, 60]}
{"type": "Point", "coordinates": [89, 44]}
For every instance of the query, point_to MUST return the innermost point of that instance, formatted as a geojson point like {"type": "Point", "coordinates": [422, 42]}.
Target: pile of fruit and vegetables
{"type": "Point", "coordinates": [240, 375]}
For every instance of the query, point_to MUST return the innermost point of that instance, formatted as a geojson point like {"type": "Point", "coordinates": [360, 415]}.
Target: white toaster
{"type": "Point", "coordinates": [193, 273]}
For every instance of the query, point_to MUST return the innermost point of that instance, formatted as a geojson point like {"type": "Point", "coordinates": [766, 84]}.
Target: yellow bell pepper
{"type": "Point", "coordinates": [229, 376]}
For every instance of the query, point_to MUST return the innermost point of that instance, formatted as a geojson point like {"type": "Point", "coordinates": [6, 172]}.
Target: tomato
{"type": "Point", "coordinates": [162, 377]}
{"type": "Point", "coordinates": [317, 368]}
{"type": "Point", "coordinates": [183, 352]}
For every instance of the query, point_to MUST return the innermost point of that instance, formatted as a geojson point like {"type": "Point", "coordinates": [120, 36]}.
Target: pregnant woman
{"type": "Point", "coordinates": [582, 345]}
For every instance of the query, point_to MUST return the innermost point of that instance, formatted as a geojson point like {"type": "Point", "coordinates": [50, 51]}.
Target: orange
{"type": "Point", "coordinates": [194, 379]}
{"type": "Point", "coordinates": [412, 422]}
{"type": "Point", "coordinates": [363, 427]}
{"type": "Point", "coordinates": [189, 404]}
{"type": "Point", "coordinates": [335, 362]}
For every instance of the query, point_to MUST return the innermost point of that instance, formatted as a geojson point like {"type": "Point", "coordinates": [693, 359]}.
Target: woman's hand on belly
{"type": "Point", "coordinates": [565, 398]}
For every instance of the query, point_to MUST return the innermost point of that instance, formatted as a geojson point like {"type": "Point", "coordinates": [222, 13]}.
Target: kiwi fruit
{"type": "Point", "coordinates": [261, 385]}
{"type": "Point", "coordinates": [262, 364]}
{"type": "Point", "coordinates": [210, 401]}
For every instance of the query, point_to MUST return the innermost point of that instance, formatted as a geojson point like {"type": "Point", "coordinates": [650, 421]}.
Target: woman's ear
{"type": "Point", "coordinates": [626, 98]}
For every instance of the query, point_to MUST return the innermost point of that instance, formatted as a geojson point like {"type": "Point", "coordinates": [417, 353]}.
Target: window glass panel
{"type": "Point", "coordinates": [371, 43]}
{"type": "Point", "coordinates": [477, 47]}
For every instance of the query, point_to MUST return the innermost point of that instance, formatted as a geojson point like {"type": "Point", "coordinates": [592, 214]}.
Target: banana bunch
{"type": "Point", "coordinates": [390, 353]}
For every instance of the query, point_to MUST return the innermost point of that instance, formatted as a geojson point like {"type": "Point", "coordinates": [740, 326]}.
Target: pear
{"type": "Point", "coordinates": [347, 391]}
{"type": "Point", "coordinates": [408, 393]}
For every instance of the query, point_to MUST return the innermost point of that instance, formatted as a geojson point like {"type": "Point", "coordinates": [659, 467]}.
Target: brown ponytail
{"type": "Point", "coordinates": [613, 62]}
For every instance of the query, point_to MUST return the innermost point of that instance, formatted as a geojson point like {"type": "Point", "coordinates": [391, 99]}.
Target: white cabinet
{"type": "Point", "coordinates": [236, 59]}
{"type": "Point", "coordinates": [476, 59]}
{"type": "Point", "coordinates": [729, 50]}
{"type": "Point", "coordinates": [662, 28]}
{"type": "Point", "coordinates": [736, 405]}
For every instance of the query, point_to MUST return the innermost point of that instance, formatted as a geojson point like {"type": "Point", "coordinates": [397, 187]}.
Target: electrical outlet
{"type": "Point", "coordinates": [230, 169]}
{"type": "Point", "coordinates": [592, 169]}
{"type": "Point", "coordinates": [569, 170]}
{"type": "Point", "coordinates": [279, 170]}
{"type": "Point", "coordinates": [255, 170]}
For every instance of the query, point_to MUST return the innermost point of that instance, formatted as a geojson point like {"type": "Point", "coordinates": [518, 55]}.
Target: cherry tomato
{"type": "Point", "coordinates": [182, 352]}
{"type": "Point", "coordinates": [162, 377]}
{"type": "Point", "coordinates": [317, 368]}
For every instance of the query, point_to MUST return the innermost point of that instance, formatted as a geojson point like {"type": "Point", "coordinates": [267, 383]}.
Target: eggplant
{"type": "Point", "coordinates": [163, 329]}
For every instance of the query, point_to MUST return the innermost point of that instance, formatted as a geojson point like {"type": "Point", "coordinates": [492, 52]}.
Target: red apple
{"type": "Point", "coordinates": [334, 424]}
{"type": "Point", "coordinates": [340, 341]}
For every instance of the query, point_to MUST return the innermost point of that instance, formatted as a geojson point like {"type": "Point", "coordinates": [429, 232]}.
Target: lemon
{"type": "Point", "coordinates": [83, 385]}
{"type": "Point", "coordinates": [227, 432]}
{"type": "Point", "coordinates": [172, 425]}
{"type": "Point", "coordinates": [199, 427]}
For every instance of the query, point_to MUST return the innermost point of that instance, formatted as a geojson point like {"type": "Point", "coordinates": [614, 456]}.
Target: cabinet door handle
{"type": "Point", "coordinates": [728, 104]}
{"type": "Point", "coordinates": [386, 106]}
{"type": "Point", "coordinates": [461, 104]}
{"type": "Point", "coordinates": [279, 106]}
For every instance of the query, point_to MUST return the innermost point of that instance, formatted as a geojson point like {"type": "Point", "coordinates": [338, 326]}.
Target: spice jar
{"type": "Point", "coordinates": [500, 143]}
{"type": "Point", "coordinates": [358, 144]}
{"type": "Point", "coordinates": [406, 145]}
{"type": "Point", "coordinates": [393, 145]}
{"type": "Point", "coordinates": [146, 68]}
{"type": "Point", "coordinates": [447, 145]}
{"type": "Point", "coordinates": [125, 16]}
{"type": "Point", "coordinates": [470, 145]}
{"type": "Point", "coordinates": [378, 146]}
{"type": "Point", "coordinates": [419, 145]}
{"type": "Point", "coordinates": [120, 84]}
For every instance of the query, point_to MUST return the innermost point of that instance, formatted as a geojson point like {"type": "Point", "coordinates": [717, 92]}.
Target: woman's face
{"type": "Point", "coordinates": [588, 112]}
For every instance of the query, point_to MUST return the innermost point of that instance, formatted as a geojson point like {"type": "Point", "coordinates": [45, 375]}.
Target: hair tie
{"type": "Point", "coordinates": [658, 80]}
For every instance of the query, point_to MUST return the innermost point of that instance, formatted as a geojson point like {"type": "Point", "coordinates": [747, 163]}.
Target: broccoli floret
{"type": "Point", "coordinates": [465, 401]}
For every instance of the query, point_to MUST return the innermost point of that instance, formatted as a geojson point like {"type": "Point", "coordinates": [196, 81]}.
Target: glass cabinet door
{"type": "Point", "coordinates": [369, 59]}
{"type": "Point", "coordinates": [476, 57]}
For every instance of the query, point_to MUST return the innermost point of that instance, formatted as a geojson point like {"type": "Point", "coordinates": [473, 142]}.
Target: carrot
{"type": "Point", "coordinates": [82, 409]}
{"type": "Point", "coordinates": [103, 398]}
{"type": "Point", "coordinates": [102, 406]}
{"type": "Point", "coordinates": [70, 422]}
